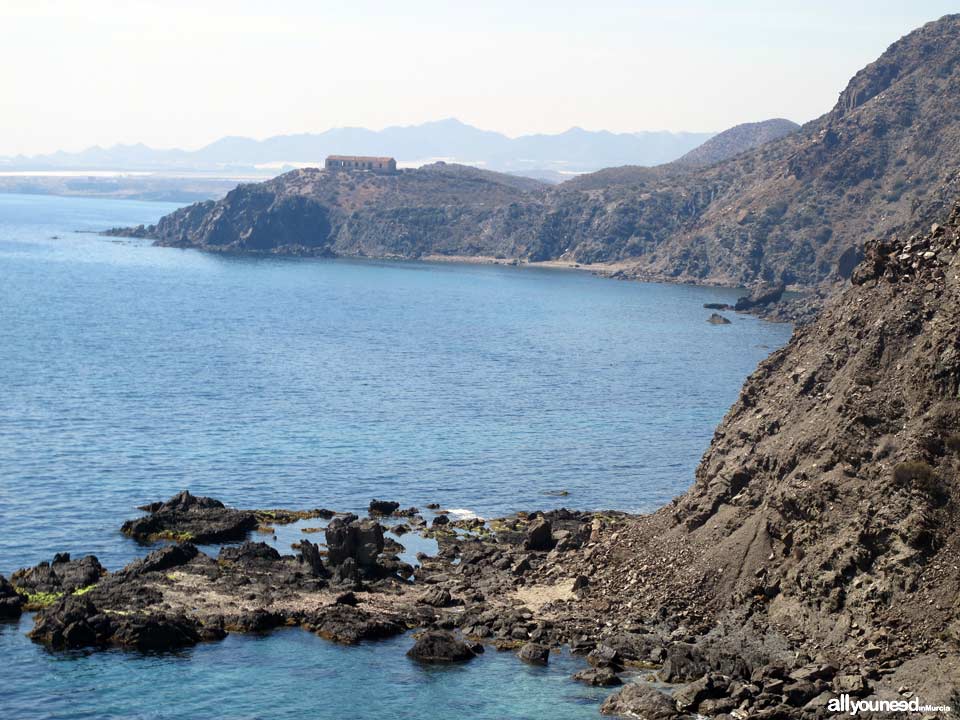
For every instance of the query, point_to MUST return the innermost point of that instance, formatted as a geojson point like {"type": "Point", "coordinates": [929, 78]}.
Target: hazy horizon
{"type": "Point", "coordinates": [173, 75]}
{"type": "Point", "coordinates": [436, 121]}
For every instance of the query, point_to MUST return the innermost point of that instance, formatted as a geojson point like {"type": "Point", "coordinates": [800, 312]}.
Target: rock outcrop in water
{"type": "Point", "coordinates": [11, 601]}
{"type": "Point", "coordinates": [795, 210]}
{"type": "Point", "coordinates": [188, 518]}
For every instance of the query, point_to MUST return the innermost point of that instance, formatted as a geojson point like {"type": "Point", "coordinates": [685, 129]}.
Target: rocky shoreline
{"type": "Point", "coordinates": [814, 557]}
{"type": "Point", "coordinates": [526, 584]}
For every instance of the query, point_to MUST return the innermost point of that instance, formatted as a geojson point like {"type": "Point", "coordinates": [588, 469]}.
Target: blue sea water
{"type": "Point", "coordinates": [129, 372]}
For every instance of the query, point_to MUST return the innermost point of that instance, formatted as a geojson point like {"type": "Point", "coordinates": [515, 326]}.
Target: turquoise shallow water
{"type": "Point", "coordinates": [130, 372]}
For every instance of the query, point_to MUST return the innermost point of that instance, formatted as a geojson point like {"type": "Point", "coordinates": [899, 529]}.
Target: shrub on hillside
{"type": "Point", "coordinates": [920, 476]}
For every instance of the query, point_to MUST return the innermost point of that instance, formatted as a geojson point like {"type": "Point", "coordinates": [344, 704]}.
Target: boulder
{"type": "Point", "coordinates": [763, 295]}
{"type": "Point", "coordinates": [717, 319]}
{"type": "Point", "coordinates": [689, 697]}
{"type": "Point", "coordinates": [349, 625]}
{"type": "Point", "coordinates": [534, 654]}
{"type": "Point", "coordinates": [250, 553]}
{"type": "Point", "coordinates": [11, 602]}
{"type": "Point", "coordinates": [439, 646]}
{"type": "Point", "coordinates": [539, 535]}
{"type": "Point", "coordinates": [62, 575]}
{"type": "Point", "coordinates": [383, 507]}
{"type": "Point", "coordinates": [75, 621]}
{"type": "Point", "coordinates": [169, 556]}
{"type": "Point", "coordinates": [851, 683]}
{"type": "Point", "coordinates": [640, 701]}
{"type": "Point", "coordinates": [359, 540]}
{"type": "Point", "coordinates": [605, 656]}
{"type": "Point", "coordinates": [598, 677]}
{"type": "Point", "coordinates": [683, 663]}
{"type": "Point", "coordinates": [310, 558]}
{"type": "Point", "coordinates": [437, 597]}
{"type": "Point", "coordinates": [155, 632]}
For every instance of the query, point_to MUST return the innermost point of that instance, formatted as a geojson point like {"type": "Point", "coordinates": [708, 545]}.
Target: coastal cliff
{"type": "Point", "coordinates": [823, 521]}
{"type": "Point", "coordinates": [794, 210]}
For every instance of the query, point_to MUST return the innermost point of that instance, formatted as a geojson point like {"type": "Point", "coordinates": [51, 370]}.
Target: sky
{"type": "Point", "coordinates": [177, 73]}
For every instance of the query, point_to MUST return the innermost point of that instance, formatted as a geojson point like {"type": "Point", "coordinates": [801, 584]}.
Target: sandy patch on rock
{"type": "Point", "coordinates": [536, 596]}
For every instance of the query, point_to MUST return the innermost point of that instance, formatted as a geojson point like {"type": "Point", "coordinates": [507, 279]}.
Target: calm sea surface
{"type": "Point", "coordinates": [129, 372]}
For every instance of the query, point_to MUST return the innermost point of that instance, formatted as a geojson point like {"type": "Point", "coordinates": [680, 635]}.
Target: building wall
{"type": "Point", "coordinates": [344, 162]}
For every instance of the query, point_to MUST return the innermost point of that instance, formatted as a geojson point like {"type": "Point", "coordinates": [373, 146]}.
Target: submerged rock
{"type": "Point", "coordinates": [717, 319]}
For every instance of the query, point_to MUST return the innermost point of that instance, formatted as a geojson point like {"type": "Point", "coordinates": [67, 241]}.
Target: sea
{"type": "Point", "coordinates": [130, 372]}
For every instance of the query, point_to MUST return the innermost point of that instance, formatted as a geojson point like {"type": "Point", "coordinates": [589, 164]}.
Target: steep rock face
{"type": "Point", "coordinates": [794, 210]}
{"type": "Point", "coordinates": [738, 139]}
{"type": "Point", "coordinates": [826, 508]}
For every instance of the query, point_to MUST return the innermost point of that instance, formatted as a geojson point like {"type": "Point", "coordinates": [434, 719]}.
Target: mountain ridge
{"type": "Point", "coordinates": [574, 150]}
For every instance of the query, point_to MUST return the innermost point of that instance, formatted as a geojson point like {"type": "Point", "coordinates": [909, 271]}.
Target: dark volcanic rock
{"type": "Point", "coordinates": [310, 558]}
{"type": "Point", "coordinates": [60, 576]}
{"type": "Point", "coordinates": [539, 535]}
{"type": "Point", "coordinates": [534, 654]}
{"type": "Point", "coordinates": [383, 507]}
{"type": "Point", "coordinates": [437, 646]}
{"type": "Point", "coordinates": [11, 602]}
{"type": "Point", "coordinates": [357, 540]}
{"type": "Point", "coordinates": [763, 295]}
{"type": "Point", "coordinates": [599, 677]}
{"type": "Point", "coordinates": [689, 697]}
{"type": "Point", "coordinates": [349, 625]}
{"type": "Point", "coordinates": [684, 662]}
{"type": "Point", "coordinates": [75, 622]}
{"type": "Point", "coordinates": [190, 518]}
{"type": "Point", "coordinates": [639, 701]}
{"type": "Point", "coordinates": [250, 553]}
{"type": "Point", "coordinates": [163, 559]}
{"type": "Point", "coordinates": [437, 597]}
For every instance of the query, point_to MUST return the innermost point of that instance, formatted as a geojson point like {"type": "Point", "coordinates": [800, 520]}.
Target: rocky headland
{"type": "Point", "coordinates": [765, 203]}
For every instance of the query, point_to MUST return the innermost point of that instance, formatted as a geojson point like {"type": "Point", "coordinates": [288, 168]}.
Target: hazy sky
{"type": "Point", "coordinates": [183, 73]}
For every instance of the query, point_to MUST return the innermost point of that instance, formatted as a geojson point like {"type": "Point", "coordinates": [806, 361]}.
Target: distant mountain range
{"type": "Point", "coordinates": [549, 157]}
